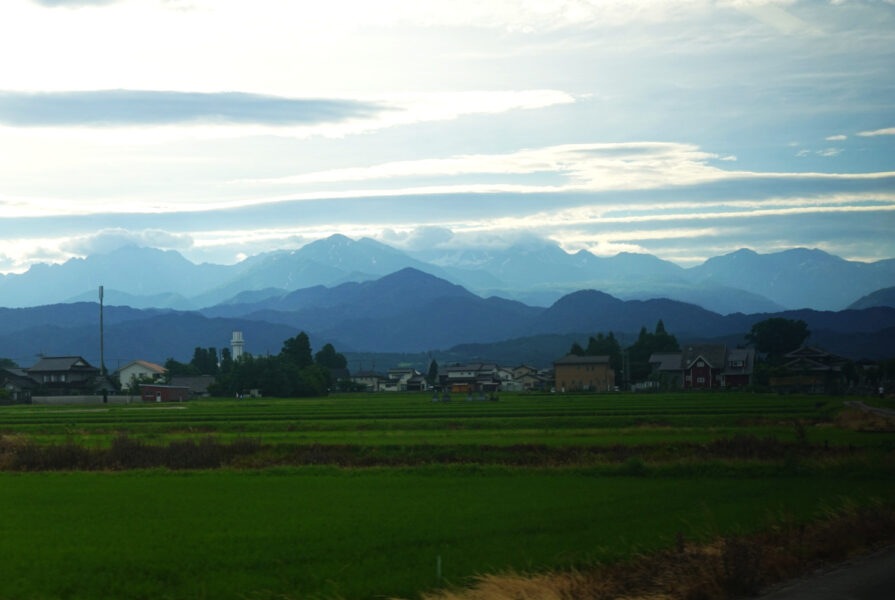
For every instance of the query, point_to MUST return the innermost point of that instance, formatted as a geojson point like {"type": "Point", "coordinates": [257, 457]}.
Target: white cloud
{"type": "Point", "coordinates": [108, 240]}
{"type": "Point", "coordinates": [875, 132]}
{"type": "Point", "coordinates": [830, 152]}
{"type": "Point", "coordinates": [836, 138]}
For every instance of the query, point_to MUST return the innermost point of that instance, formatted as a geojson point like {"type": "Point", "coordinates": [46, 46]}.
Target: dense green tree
{"type": "Point", "coordinates": [646, 345]}
{"type": "Point", "coordinates": [576, 349]}
{"type": "Point", "coordinates": [329, 358]}
{"type": "Point", "coordinates": [777, 336]}
{"type": "Point", "coordinates": [298, 350]}
{"type": "Point", "coordinates": [179, 369]}
{"type": "Point", "coordinates": [226, 360]}
{"type": "Point", "coordinates": [432, 375]}
{"type": "Point", "coordinates": [7, 363]}
{"type": "Point", "coordinates": [205, 360]}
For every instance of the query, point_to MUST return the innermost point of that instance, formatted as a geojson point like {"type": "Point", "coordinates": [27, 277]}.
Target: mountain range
{"type": "Point", "coordinates": [405, 311]}
{"type": "Point", "coordinates": [537, 273]}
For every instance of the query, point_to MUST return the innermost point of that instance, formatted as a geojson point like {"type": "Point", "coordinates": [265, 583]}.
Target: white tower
{"type": "Point", "coordinates": [237, 343]}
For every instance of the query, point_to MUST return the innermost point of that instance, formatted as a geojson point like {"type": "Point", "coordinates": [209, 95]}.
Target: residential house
{"type": "Point", "coordinates": [399, 378]}
{"type": "Point", "coordinates": [666, 370]}
{"type": "Point", "coordinates": [196, 384]}
{"type": "Point", "coordinates": [18, 386]}
{"type": "Point", "coordinates": [373, 381]}
{"type": "Point", "coordinates": [473, 377]}
{"type": "Point", "coordinates": [140, 370]}
{"type": "Point", "coordinates": [64, 375]}
{"type": "Point", "coordinates": [811, 369]}
{"type": "Point", "coordinates": [154, 392]}
{"type": "Point", "coordinates": [584, 373]}
{"type": "Point", "coordinates": [704, 366]}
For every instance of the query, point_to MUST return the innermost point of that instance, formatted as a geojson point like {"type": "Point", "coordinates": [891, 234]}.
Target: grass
{"type": "Point", "coordinates": [298, 533]}
{"type": "Point", "coordinates": [529, 483]}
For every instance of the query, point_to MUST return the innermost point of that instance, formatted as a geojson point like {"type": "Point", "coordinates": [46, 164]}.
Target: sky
{"type": "Point", "coordinates": [225, 128]}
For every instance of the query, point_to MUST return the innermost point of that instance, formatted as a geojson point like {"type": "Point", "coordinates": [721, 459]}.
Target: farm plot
{"type": "Point", "coordinates": [358, 496]}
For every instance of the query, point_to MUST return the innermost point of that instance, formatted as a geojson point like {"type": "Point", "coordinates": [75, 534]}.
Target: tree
{"type": "Point", "coordinates": [646, 345]}
{"type": "Point", "coordinates": [298, 350]}
{"type": "Point", "coordinates": [7, 363]}
{"type": "Point", "coordinates": [226, 360]}
{"type": "Point", "coordinates": [777, 336]}
{"type": "Point", "coordinates": [576, 349]}
{"type": "Point", "coordinates": [432, 375]}
{"type": "Point", "coordinates": [179, 369]}
{"type": "Point", "coordinates": [329, 358]}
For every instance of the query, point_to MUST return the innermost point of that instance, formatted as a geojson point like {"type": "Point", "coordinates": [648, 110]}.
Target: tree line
{"type": "Point", "coordinates": [295, 372]}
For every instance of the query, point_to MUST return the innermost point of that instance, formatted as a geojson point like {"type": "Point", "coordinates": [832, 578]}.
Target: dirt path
{"type": "Point", "coordinates": [870, 577]}
{"type": "Point", "coordinates": [883, 412]}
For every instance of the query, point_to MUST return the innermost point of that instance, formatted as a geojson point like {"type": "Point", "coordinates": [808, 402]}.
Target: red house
{"type": "Point", "coordinates": [164, 393]}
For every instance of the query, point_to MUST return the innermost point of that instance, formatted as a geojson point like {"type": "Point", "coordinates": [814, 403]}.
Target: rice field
{"type": "Point", "coordinates": [363, 496]}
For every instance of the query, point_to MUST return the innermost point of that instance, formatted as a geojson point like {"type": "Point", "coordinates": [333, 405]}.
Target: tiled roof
{"type": "Point", "coordinates": [713, 354]}
{"type": "Point", "coordinates": [61, 363]}
{"type": "Point", "coordinates": [148, 365]}
{"type": "Point", "coordinates": [572, 359]}
{"type": "Point", "coordinates": [666, 361]}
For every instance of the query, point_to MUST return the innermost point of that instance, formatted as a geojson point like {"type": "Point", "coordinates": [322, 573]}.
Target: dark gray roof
{"type": "Point", "coordinates": [666, 361]}
{"type": "Point", "coordinates": [198, 384]}
{"type": "Point", "coordinates": [61, 363]}
{"type": "Point", "coordinates": [746, 355]}
{"type": "Point", "coordinates": [713, 354]}
{"type": "Point", "coordinates": [572, 359]}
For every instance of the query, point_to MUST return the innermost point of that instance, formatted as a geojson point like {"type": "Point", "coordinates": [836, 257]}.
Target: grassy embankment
{"type": "Point", "coordinates": [295, 532]}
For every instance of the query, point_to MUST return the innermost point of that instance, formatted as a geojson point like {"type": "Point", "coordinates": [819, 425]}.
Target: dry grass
{"type": "Point", "coordinates": [726, 568]}
{"type": "Point", "coordinates": [856, 419]}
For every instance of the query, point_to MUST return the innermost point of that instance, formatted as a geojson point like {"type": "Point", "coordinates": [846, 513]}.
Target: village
{"type": "Point", "coordinates": [72, 379]}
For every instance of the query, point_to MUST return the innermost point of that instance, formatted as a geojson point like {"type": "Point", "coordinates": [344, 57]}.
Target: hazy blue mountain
{"type": "Point", "coordinates": [154, 339]}
{"type": "Point", "coordinates": [797, 278]}
{"type": "Point", "coordinates": [389, 295]}
{"type": "Point", "coordinates": [407, 311]}
{"type": "Point", "coordinates": [131, 269]}
{"type": "Point", "coordinates": [883, 297]}
{"type": "Point", "coordinates": [68, 315]}
{"type": "Point", "coordinates": [119, 298]}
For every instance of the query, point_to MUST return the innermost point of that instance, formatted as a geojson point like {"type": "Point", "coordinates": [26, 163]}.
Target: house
{"type": "Point", "coordinates": [140, 370]}
{"type": "Point", "coordinates": [371, 380]}
{"type": "Point", "coordinates": [811, 369]}
{"type": "Point", "coordinates": [197, 384]}
{"type": "Point", "coordinates": [154, 392]}
{"type": "Point", "coordinates": [704, 366]}
{"type": "Point", "coordinates": [574, 373]}
{"type": "Point", "coordinates": [473, 377]}
{"type": "Point", "coordinates": [739, 368]}
{"type": "Point", "coordinates": [399, 378]}
{"type": "Point", "coordinates": [18, 386]}
{"type": "Point", "coordinates": [64, 375]}
{"type": "Point", "coordinates": [666, 369]}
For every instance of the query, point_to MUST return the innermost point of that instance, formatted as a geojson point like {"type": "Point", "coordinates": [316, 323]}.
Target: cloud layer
{"type": "Point", "coordinates": [141, 107]}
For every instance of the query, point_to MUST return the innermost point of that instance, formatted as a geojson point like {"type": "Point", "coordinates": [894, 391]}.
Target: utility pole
{"type": "Point", "coordinates": [102, 363]}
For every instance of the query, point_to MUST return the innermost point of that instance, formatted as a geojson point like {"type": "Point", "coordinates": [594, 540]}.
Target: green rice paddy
{"type": "Point", "coordinates": [325, 531]}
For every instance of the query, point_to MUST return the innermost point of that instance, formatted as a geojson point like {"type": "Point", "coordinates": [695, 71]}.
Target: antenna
{"type": "Point", "coordinates": [102, 364]}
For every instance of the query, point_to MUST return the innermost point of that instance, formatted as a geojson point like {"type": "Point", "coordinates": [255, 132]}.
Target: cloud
{"type": "Point", "coordinates": [144, 107]}
{"type": "Point", "coordinates": [830, 152]}
{"type": "Point", "coordinates": [836, 138]}
{"type": "Point", "coordinates": [875, 132]}
{"type": "Point", "coordinates": [108, 240]}
{"type": "Point", "coordinates": [73, 3]}
{"type": "Point", "coordinates": [420, 238]}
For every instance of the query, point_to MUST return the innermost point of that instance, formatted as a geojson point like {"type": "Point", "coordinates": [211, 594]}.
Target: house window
{"type": "Point", "coordinates": [700, 380]}
{"type": "Point", "coordinates": [62, 378]}
{"type": "Point", "coordinates": [700, 364]}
